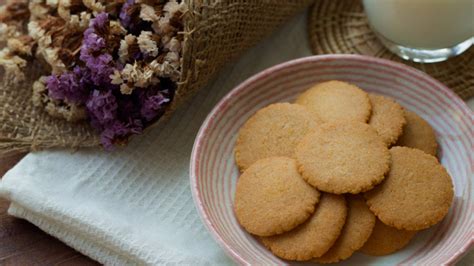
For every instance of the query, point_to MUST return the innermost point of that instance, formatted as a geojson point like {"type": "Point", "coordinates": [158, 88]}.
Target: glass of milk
{"type": "Point", "coordinates": [423, 30]}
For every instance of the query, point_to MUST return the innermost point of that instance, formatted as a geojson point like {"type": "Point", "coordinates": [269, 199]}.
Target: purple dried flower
{"type": "Point", "coordinates": [102, 108]}
{"type": "Point", "coordinates": [93, 42]}
{"type": "Point", "coordinates": [100, 22]}
{"type": "Point", "coordinates": [119, 130]}
{"type": "Point", "coordinates": [66, 86]}
{"type": "Point", "coordinates": [101, 67]}
{"type": "Point", "coordinates": [125, 18]}
{"type": "Point", "coordinates": [84, 77]}
{"type": "Point", "coordinates": [153, 105]}
{"type": "Point", "coordinates": [99, 63]}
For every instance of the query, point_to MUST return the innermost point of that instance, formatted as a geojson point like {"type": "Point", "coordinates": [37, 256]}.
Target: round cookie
{"type": "Point", "coordinates": [418, 134]}
{"type": "Point", "coordinates": [272, 198]}
{"type": "Point", "coordinates": [385, 240]}
{"type": "Point", "coordinates": [272, 131]}
{"type": "Point", "coordinates": [316, 236]}
{"type": "Point", "coordinates": [337, 101]}
{"type": "Point", "coordinates": [343, 158]}
{"type": "Point", "coordinates": [387, 118]}
{"type": "Point", "coordinates": [416, 194]}
{"type": "Point", "coordinates": [358, 227]}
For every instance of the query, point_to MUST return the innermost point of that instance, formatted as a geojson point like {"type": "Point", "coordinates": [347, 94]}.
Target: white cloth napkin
{"type": "Point", "coordinates": [135, 206]}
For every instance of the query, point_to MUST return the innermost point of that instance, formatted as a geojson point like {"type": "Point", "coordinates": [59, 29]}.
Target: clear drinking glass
{"type": "Point", "coordinates": [423, 30]}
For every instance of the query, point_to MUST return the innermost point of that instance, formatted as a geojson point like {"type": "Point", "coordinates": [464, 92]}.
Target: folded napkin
{"type": "Point", "coordinates": [135, 206]}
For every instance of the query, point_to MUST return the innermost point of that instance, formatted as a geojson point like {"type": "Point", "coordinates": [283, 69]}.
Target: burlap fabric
{"type": "Point", "coordinates": [215, 33]}
{"type": "Point", "coordinates": [341, 27]}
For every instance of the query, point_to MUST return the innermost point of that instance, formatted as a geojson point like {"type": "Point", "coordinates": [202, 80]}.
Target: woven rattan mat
{"type": "Point", "coordinates": [341, 27]}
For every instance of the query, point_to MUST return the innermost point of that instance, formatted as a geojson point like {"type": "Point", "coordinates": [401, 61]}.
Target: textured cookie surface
{"type": "Point", "coordinates": [387, 118]}
{"type": "Point", "coordinates": [358, 227]}
{"type": "Point", "coordinates": [272, 131]}
{"type": "Point", "coordinates": [416, 194]}
{"type": "Point", "coordinates": [337, 101]}
{"type": "Point", "coordinates": [316, 236]}
{"type": "Point", "coordinates": [385, 240]}
{"type": "Point", "coordinates": [272, 198]}
{"type": "Point", "coordinates": [343, 157]}
{"type": "Point", "coordinates": [418, 134]}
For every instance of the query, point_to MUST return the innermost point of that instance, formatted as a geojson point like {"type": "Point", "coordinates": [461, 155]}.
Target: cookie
{"type": "Point", "coordinates": [343, 157]}
{"type": "Point", "coordinates": [418, 134]}
{"type": "Point", "coordinates": [316, 236]}
{"type": "Point", "coordinates": [272, 131]}
{"type": "Point", "coordinates": [387, 118]}
{"type": "Point", "coordinates": [272, 198]}
{"type": "Point", "coordinates": [416, 193]}
{"type": "Point", "coordinates": [385, 240]}
{"type": "Point", "coordinates": [358, 227]}
{"type": "Point", "coordinates": [337, 101]}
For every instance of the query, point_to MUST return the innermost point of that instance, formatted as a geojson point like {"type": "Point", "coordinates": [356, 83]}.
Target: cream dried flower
{"type": "Point", "coordinates": [39, 96]}
{"type": "Point", "coordinates": [174, 45]}
{"type": "Point", "coordinates": [79, 22]}
{"type": "Point", "coordinates": [20, 46]}
{"type": "Point", "coordinates": [94, 5]}
{"type": "Point", "coordinates": [116, 28]}
{"type": "Point", "coordinates": [140, 77]}
{"type": "Point", "coordinates": [53, 50]}
{"type": "Point", "coordinates": [39, 10]}
{"type": "Point", "coordinates": [172, 58]}
{"type": "Point", "coordinates": [170, 10]}
{"type": "Point", "coordinates": [51, 56]}
{"type": "Point", "coordinates": [52, 3]}
{"type": "Point", "coordinates": [35, 30]}
{"type": "Point", "coordinates": [147, 45]}
{"type": "Point", "coordinates": [12, 64]}
{"type": "Point", "coordinates": [172, 7]}
{"type": "Point", "coordinates": [70, 112]}
{"type": "Point", "coordinates": [148, 13]}
{"type": "Point", "coordinates": [145, 78]}
{"type": "Point", "coordinates": [165, 69]}
{"type": "Point", "coordinates": [64, 9]}
{"type": "Point", "coordinates": [125, 89]}
{"type": "Point", "coordinates": [125, 44]}
{"type": "Point", "coordinates": [130, 72]}
{"type": "Point", "coordinates": [8, 31]}
{"type": "Point", "coordinates": [116, 78]}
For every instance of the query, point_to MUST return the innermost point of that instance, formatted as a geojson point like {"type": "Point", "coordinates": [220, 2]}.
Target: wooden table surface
{"type": "Point", "coordinates": [22, 243]}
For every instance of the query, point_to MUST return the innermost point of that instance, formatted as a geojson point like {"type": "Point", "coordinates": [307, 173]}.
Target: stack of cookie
{"type": "Point", "coordinates": [338, 171]}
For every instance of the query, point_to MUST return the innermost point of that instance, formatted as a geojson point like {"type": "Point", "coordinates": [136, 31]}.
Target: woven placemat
{"type": "Point", "coordinates": [341, 27]}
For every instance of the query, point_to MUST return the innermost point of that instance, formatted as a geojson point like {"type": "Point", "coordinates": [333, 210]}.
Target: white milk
{"type": "Point", "coordinates": [423, 24]}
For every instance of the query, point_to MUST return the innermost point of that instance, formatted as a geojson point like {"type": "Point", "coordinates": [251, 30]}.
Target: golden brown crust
{"type": "Point", "coordinates": [416, 194]}
{"type": "Point", "coordinates": [337, 101]}
{"type": "Point", "coordinates": [316, 236]}
{"type": "Point", "coordinates": [272, 198]}
{"type": "Point", "coordinates": [273, 131]}
{"type": "Point", "coordinates": [358, 227]}
{"type": "Point", "coordinates": [343, 158]}
{"type": "Point", "coordinates": [418, 134]}
{"type": "Point", "coordinates": [387, 118]}
{"type": "Point", "coordinates": [385, 240]}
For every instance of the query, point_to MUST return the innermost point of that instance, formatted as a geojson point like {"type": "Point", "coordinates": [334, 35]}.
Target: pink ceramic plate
{"type": "Point", "coordinates": [214, 173]}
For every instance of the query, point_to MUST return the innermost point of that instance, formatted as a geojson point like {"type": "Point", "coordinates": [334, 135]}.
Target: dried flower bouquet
{"type": "Point", "coordinates": [116, 67]}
